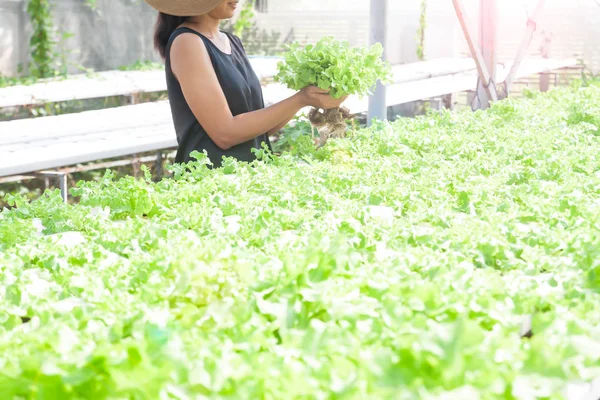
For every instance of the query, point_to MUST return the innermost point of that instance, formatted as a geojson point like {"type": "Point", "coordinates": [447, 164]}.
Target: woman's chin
{"type": "Point", "coordinates": [227, 15]}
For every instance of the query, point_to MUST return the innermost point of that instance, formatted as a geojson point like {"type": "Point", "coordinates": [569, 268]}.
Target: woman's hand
{"type": "Point", "coordinates": [319, 98]}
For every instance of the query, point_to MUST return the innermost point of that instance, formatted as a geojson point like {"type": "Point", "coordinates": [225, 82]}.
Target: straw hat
{"type": "Point", "coordinates": [184, 8]}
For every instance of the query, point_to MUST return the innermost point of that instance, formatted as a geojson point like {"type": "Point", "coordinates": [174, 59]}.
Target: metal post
{"type": "Point", "coordinates": [545, 77]}
{"type": "Point", "coordinates": [487, 43]}
{"type": "Point", "coordinates": [525, 42]}
{"type": "Point", "coordinates": [136, 164]}
{"type": "Point", "coordinates": [134, 98]}
{"type": "Point", "coordinates": [158, 164]}
{"type": "Point", "coordinates": [64, 187]}
{"type": "Point", "coordinates": [378, 32]}
{"type": "Point", "coordinates": [484, 76]}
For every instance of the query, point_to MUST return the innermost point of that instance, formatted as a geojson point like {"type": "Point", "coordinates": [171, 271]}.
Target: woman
{"type": "Point", "coordinates": [215, 96]}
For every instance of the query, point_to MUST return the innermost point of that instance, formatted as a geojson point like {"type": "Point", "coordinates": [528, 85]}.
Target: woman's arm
{"type": "Point", "coordinates": [192, 66]}
{"type": "Point", "coordinates": [288, 118]}
{"type": "Point", "coordinates": [281, 125]}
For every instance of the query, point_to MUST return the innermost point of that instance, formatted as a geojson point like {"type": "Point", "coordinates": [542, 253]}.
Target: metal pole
{"type": "Point", "coordinates": [484, 76]}
{"type": "Point", "coordinates": [378, 31]}
{"type": "Point", "coordinates": [545, 77]}
{"type": "Point", "coordinates": [159, 166]}
{"type": "Point", "coordinates": [64, 187]}
{"type": "Point", "coordinates": [525, 42]}
{"type": "Point", "coordinates": [487, 41]}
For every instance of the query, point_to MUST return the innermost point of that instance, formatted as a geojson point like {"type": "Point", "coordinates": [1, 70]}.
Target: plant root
{"type": "Point", "coordinates": [330, 123]}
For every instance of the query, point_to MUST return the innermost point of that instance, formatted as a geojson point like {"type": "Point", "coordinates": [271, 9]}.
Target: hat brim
{"type": "Point", "coordinates": [184, 8]}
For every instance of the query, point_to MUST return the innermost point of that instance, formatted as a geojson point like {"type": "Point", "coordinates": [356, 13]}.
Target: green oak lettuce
{"type": "Point", "coordinates": [399, 263]}
{"type": "Point", "coordinates": [335, 65]}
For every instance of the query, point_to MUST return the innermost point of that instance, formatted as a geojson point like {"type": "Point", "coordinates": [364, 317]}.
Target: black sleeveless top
{"type": "Point", "coordinates": [242, 90]}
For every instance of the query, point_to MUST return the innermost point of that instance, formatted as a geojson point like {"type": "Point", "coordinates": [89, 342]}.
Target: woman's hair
{"type": "Point", "coordinates": [165, 26]}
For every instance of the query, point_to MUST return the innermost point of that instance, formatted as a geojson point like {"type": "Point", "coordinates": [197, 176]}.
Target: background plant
{"type": "Point", "coordinates": [421, 31]}
{"type": "Point", "coordinates": [47, 45]}
{"type": "Point", "coordinates": [42, 42]}
{"type": "Point", "coordinates": [257, 41]}
{"type": "Point", "coordinates": [245, 19]}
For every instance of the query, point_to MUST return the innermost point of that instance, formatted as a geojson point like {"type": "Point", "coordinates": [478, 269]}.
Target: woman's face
{"type": "Point", "coordinates": [225, 10]}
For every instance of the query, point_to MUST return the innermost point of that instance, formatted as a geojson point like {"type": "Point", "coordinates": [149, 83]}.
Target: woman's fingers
{"type": "Point", "coordinates": [318, 90]}
{"type": "Point", "coordinates": [324, 99]}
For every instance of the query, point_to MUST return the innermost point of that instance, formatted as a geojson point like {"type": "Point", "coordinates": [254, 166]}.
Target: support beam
{"type": "Point", "coordinates": [83, 168]}
{"type": "Point", "coordinates": [487, 42]}
{"type": "Point", "coordinates": [525, 43]}
{"type": "Point", "coordinates": [378, 32]}
{"type": "Point", "coordinates": [484, 75]}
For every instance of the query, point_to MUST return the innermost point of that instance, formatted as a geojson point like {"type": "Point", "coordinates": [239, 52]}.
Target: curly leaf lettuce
{"type": "Point", "coordinates": [335, 65]}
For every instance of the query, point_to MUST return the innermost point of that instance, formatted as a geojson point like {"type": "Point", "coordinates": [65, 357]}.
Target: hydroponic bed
{"type": "Point", "coordinates": [399, 263]}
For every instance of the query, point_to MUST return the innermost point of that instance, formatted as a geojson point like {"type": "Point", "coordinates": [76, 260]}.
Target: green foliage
{"type": "Point", "coordinates": [332, 64]}
{"type": "Point", "coordinates": [46, 60]}
{"type": "Point", "coordinates": [142, 66]}
{"type": "Point", "coordinates": [92, 4]}
{"type": "Point", "coordinates": [586, 112]}
{"type": "Point", "coordinates": [289, 137]}
{"type": "Point", "coordinates": [6, 81]}
{"type": "Point", "coordinates": [397, 264]}
{"type": "Point", "coordinates": [257, 41]}
{"type": "Point", "coordinates": [421, 31]}
{"type": "Point", "coordinates": [42, 41]}
{"type": "Point", "coordinates": [263, 42]}
{"type": "Point", "coordinates": [245, 20]}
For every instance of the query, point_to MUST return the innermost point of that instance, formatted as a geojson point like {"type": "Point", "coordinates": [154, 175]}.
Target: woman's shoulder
{"type": "Point", "coordinates": [180, 30]}
{"type": "Point", "coordinates": [187, 38]}
{"type": "Point", "coordinates": [185, 47]}
{"type": "Point", "coordinates": [175, 35]}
